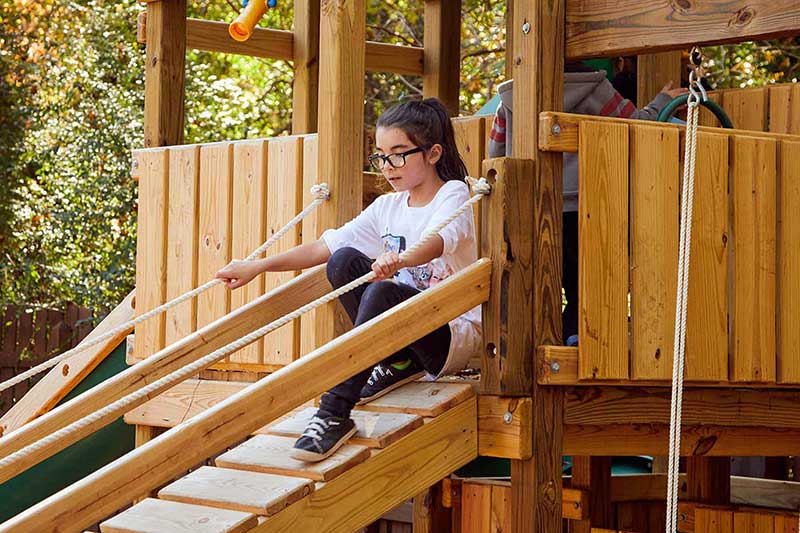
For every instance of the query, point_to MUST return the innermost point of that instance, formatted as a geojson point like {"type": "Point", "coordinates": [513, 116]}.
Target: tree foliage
{"type": "Point", "coordinates": [71, 110]}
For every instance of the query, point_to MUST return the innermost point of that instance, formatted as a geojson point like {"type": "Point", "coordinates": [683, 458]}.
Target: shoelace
{"type": "Point", "coordinates": [316, 427]}
{"type": "Point", "coordinates": [379, 372]}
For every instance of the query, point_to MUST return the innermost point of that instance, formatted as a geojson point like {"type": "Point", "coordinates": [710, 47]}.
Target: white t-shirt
{"type": "Point", "coordinates": [389, 224]}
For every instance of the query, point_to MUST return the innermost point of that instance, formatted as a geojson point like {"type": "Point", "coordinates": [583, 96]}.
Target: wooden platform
{"type": "Point", "coordinates": [158, 516]}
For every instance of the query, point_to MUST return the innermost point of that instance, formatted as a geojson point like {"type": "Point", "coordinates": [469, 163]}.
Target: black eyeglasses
{"type": "Point", "coordinates": [395, 160]}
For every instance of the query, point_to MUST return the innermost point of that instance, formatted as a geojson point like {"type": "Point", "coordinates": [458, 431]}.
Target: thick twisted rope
{"type": "Point", "coordinates": [320, 193]}
{"type": "Point", "coordinates": [119, 407]}
{"type": "Point", "coordinates": [679, 349]}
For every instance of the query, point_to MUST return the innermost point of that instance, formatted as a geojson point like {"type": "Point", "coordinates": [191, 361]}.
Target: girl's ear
{"type": "Point", "coordinates": [435, 154]}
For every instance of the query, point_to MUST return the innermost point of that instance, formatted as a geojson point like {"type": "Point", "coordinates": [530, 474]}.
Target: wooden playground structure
{"type": "Point", "coordinates": [536, 400]}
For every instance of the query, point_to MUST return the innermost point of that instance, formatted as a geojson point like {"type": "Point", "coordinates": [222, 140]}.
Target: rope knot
{"type": "Point", "coordinates": [320, 191]}
{"type": "Point", "coordinates": [480, 185]}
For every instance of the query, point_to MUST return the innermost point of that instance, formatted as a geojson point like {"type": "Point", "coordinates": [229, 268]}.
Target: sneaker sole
{"type": "Point", "coordinates": [387, 390]}
{"type": "Point", "coordinates": [312, 457]}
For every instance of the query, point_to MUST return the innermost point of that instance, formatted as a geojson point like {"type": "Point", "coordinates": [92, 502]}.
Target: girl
{"type": "Point", "coordinates": [417, 154]}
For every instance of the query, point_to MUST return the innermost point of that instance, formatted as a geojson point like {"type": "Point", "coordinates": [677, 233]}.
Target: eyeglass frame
{"type": "Point", "coordinates": [385, 158]}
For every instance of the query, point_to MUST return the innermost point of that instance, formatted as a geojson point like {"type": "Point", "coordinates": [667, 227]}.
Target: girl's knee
{"type": "Point", "coordinates": [380, 290]}
{"type": "Point", "coordinates": [338, 265]}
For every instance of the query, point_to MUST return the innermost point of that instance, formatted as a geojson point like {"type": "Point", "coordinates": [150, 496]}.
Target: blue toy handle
{"type": "Point", "coordinates": [270, 3]}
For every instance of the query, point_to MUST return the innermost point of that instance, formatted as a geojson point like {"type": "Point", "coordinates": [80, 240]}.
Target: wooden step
{"type": "Point", "coordinates": [375, 429]}
{"type": "Point", "coordinates": [270, 454]}
{"type": "Point", "coordinates": [423, 398]}
{"type": "Point", "coordinates": [239, 490]}
{"type": "Point", "coordinates": [158, 516]}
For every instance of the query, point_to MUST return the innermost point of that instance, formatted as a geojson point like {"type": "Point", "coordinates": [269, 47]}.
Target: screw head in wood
{"type": "Point", "coordinates": [135, 163]}
{"type": "Point", "coordinates": [555, 367]}
{"type": "Point", "coordinates": [556, 130]}
{"type": "Point", "coordinates": [526, 27]}
{"type": "Point", "coordinates": [508, 417]}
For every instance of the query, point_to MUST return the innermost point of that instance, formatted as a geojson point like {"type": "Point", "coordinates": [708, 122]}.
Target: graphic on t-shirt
{"type": "Point", "coordinates": [393, 243]}
{"type": "Point", "coordinates": [423, 276]}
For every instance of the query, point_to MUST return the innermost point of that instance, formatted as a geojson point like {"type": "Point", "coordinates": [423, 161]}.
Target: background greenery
{"type": "Point", "coordinates": [71, 106]}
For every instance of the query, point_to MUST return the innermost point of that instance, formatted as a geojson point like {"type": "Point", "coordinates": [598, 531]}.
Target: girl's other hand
{"type": "Point", "coordinates": [673, 93]}
{"type": "Point", "coordinates": [386, 265]}
{"type": "Point", "coordinates": [238, 273]}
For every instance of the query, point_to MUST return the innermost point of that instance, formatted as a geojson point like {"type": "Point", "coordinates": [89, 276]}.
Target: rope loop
{"type": "Point", "coordinates": [320, 191]}
{"type": "Point", "coordinates": [480, 185]}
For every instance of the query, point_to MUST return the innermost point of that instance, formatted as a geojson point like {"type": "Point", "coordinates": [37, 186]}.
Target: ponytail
{"type": "Point", "coordinates": [426, 123]}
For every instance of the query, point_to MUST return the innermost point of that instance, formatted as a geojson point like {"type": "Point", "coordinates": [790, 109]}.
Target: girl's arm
{"type": "Point", "coordinates": [388, 263]}
{"type": "Point", "coordinates": [239, 273]}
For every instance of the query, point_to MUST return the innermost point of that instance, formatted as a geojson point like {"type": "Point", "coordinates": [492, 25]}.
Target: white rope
{"type": "Point", "coordinates": [121, 406]}
{"type": "Point", "coordinates": [320, 193]}
{"type": "Point", "coordinates": [684, 254]}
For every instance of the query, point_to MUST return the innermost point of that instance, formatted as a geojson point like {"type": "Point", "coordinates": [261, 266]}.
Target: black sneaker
{"type": "Point", "coordinates": [386, 378]}
{"type": "Point", "coordinates": [324, 435]}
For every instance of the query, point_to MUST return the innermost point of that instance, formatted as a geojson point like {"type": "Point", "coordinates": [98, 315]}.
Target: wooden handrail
{"type": "Point", "coordinates": [276, 303]}
{"type": "Point", "coordinates": [180, 448]}
{"type": "Point", "coordinates": [62, 378]}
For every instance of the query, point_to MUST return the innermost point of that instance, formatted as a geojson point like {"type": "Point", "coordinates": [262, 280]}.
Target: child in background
{"type": "Point", "coordinates": [588, 92]}
{"type": "Point", "coordinates": [417, 154]}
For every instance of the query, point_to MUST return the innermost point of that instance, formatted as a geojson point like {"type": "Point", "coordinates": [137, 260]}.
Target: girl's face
{"type": "Point", "coordinates": [420, 167]}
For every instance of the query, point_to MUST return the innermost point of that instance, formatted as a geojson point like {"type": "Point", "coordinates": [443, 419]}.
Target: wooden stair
{"type": "Point", "coordinates": [405, 442]}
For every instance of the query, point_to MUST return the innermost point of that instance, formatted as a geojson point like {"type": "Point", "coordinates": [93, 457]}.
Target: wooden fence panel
{"type": "Point", "coordinates": [182, 240]}
{"type": "Point", "coordinates": [753, 191]}
{"type": "Point", "coordinates": [747, 108]}
{"type": "Point", "coordinates": [308, 337]}
{"type": "Point", "coordinates": [753, 523]}
{"type": "Point", "coordinates": [654, 184]}
{"type": "Point", "coordinates": [248, 229]}
{"type": "Point", "coordinates": [603, 251]}
{"type": "Point", "coordinates": [789, 263]}
{"type": "Point", "coordinates": [151, 248]}
{"type": "Point", "coordinates": [284, 201]}
{"type": "Point", "coordinates": [784, 108]}
{"type": "Point", "coordinates": [713, 521]}
{"type": "Point", "coordinates": [707, 306]}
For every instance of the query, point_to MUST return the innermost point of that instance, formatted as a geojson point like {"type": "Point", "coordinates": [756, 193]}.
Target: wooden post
{"type": "Point", "coordinates": [164, 77]}
{"type": "Point", "coordinates": [653, 71]}
{"type": "Point", "coordinates": [341, 130]}
{"type": "Point", "coordinates": [594, 474]}
{"type": "Point", "coordinates": [305, 88]}
{"type": "Point", "coordinates": [429, 514]}
{"type": "Point", "coordinates": [538, 55]}
{"type": "Point", "coordinates": [442, 60]}
{"type": "Point", "coordinates": [708, 479]}
{"type": "Point", "coordinates": [509, 39]}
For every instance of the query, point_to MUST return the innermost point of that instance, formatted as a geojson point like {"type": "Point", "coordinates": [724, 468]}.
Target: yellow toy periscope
{"type": "Point", "coordinates": [242, 28]}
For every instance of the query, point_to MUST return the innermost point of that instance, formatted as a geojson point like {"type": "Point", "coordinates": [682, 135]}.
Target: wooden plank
{"type": "Point", "coordinates": [707, 306]}
{"type": "Point", "coordinates": [394, 58]}
{"type": "Point", "coordinates": [475, 510]}
{"type": "Point", "coordinates": [786, 524]}
{"type": "Point", "coordinates": [752, 312]}
{"type": "Point", "coordinates": [164, 76]}
{"type": "Point", "coordinates": [505, 427]}
{"type": "Point", "coordinates": [390, 477]}
{"type": "Point", "coordinates": [284, 201]}
{"type": "Point", "coordinates": [753, 523]}
{"type": "Point", "coordinates": [62, 378]}
{"type": "Point", "coordinates": [784, 108]}
{"type": "Point", "coordinates": [182, 245]}
{"type": "Point", "coordinates": [471, 142]}
{"type": "Point", "coordinates": [154, 516]}
{"type": "Point", "coordinates": [214, 37]}
{"type": "Point", "coordinates": [713, 521]}
{"type": "Point", "coordinates": [593, 474]}
{"type": "Point", "coordinates": [708, 479]}
{"type": "Point", "coordinates": [653, 71]}
{"type": "Point", "coordinates": [373, 429]}
{"type": "Point", "coordinates": [789, 262]}
{"type": "Point", "coordinates": [305, 86]}
{"type": "Point", "coordinates": [214, 213]}
{"type": "Point", "coordinates": [430, 516]}
{"type": "Point", "coordinates": [264, 401]}
{"type": "Point", "coordinates": [151, 248]}
{"type": "Point", "coordinates": [747, 109]}
{"type": "Point", "coordinates": [655, 186]}
{"type": "Point", "coordinates": [596, 28]}
{"type": "Point", "coordinates": [238, 490]}
{"type": "Point", "coordinates": [423, 398]}
{"type": "Point", "coordinates": [707, 118]}
{"type": "Point", "coordinates": [248, 228]}
{"type": "Point", "coordinates": [442, 65]}
{"type": "Point", "coordinates": [603, 245]}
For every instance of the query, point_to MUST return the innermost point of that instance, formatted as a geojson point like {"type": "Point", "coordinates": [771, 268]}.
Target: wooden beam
{"type": "Point", "coordinates": [265, 309]}
{"type": "Point", "coordinates": [305, 87]}
{"type": "Point", "coordinates": [598, 28]}
{"type": "Point", "coordinates": [397, 59]}
{"type": "Point", "coordinates": [653, 71]}
{"type": "Point", "coordinates": [574, 503]}
{"type": "Point", "coordinates": [63, 377]}
{"type": "Point", "coordinates": [593, 474]}
{"type": "Point", "coordinates": [442, 39]}
{"type": "Point", "coordinates": [164, 73]}
{"type": "Point", "coordinates": [505, 427]}
{"type": "Point", "coordinates": [180, 448]}
{"type": "Point", "coordinates": [538, 57]}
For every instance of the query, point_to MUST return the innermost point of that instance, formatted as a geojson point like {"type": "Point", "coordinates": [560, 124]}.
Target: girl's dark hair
{"type": "Point", "coordinates": [426, 123]}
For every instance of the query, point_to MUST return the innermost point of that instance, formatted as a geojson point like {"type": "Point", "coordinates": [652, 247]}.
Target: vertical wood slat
{"type": "Point", "coordinates": [182, 240]}
{"type": "Point", "coordinates": [470, 140]}
{"type": "Point", "coordinates": [603, 251]}
{"type": "Point", "coordinates": [476, 508]}
{"type": "Point", "coordinates": [789, 262]}
{"type": "Point", "coordinates": [747, 109]}
{"type": "Point", "coordinates": [654, 189]}
{"type": "Point", "coordinates": [707, 118]}
{"type": "Point", "coordinates": [753, 522]}
{"type": "Point", "coordinates": [248, 226]}
{"type": "Point", "coordinates": [784, 108]}
{"type": "Point", "coordinates": [284, 199]}
{"type": "Point", "coordinates": [214, 233]}
{"type": "Point", "coordinates": [442, 55]}
{"type": "Point", "coordinates": [786, 524]}
{"type": "Point", "coordinates": [753, 292]}
{"type": "Point", "coordinates": [653, 72]}
{"type": "Point", "coordinates": [310, 232]}
{"type": "Point", "coordinates": [707, 306]}
{"type": "Point", "coordinates": [713, 521]}
{"type": "Point", "coordinates": [151, 248]}
{"type": "Point", "coordinates": [305, 87]}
